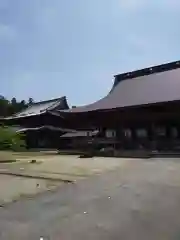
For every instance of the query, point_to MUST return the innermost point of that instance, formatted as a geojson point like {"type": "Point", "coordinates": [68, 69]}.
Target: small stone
{"type": "Point", "coordinates": [37, 185]}
{"type": "Point", "coordinates": [124, 186]}
{"type": "Point", "coordinates": [120, 185]}
{"type": "Point", "coordinates": [33, 161]}
{"type": "Point", "coordinates": [85, 212]}
{"type": "Point", "coordinates": [21, 168]}
{"type": "Point", "coordinates": [109, 197]}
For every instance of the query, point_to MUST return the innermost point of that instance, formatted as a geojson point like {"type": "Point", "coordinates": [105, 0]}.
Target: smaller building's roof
{"type": "Point", "coordinates": [45, 127]}
{"type": "Point", "coordinates": [39, 108]}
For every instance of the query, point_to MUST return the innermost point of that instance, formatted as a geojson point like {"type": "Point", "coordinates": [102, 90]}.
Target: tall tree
{"type": "Point", "coordinates": [13, 101]}
{"type": "Point", "coordinates": [8, 108]}
{"type": "Point", "coordinates": [21, 105]}
{"type": "Point", "coordinates": [4, 106]}
{"type": "Point", "coordinates": [13, 106]}
{"type": "Point", "coordinates": [30, 101]}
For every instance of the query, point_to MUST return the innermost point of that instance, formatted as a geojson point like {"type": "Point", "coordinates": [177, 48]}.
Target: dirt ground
{"type": "Point", "coordinates": [139, 200]}
{"type": "Point", "coordinates": [73, 165]}
{"type": "Point", "coordinates": [65, 167]}
{"type": "Point", "coordinates": [53, 168]}
{"type": "Point", "coordinates": [50, 167]}
{"type": "Point", "coordinates": [13, 188]}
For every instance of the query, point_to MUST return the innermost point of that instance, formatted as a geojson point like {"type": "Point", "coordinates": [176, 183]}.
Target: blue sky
{"type": "Point", "coordinates": [50, 48]}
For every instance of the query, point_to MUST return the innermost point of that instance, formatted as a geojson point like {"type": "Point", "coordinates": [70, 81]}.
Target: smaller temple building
{"type": "Point", "coordinates": [39, 124]}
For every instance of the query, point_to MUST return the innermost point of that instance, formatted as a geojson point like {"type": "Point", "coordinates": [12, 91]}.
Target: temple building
{"type": "Point", "coordinates": [140, 112]}
{"type": "Point", "coordinates": [39, 123]}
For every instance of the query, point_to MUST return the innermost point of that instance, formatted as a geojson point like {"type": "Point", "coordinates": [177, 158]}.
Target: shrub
{"type": "Point", "coordinates": [11, 140]}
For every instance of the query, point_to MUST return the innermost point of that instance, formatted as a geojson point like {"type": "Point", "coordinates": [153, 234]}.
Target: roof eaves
{"type": "Point", "coordinates": [45, 127]}
{"type": "Point", "coordinates": [23, 116]}
{"type": "Point", "coordinates": [56, 113]}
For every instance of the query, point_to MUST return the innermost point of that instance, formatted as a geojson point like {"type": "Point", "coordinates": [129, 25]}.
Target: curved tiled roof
{"type": "Point", "coordinates": [147, 86]}
{"type": "Point", "coordinates": [42, 107]}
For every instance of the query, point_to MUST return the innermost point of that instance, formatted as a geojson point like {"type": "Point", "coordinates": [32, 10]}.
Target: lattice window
{"type": "Point", "coordinates": [110, 133]}
{"type": "Point", "coordinates": [174, 132]}
{"type": "Point", "coordinates": [128, 133]}
{"type": "Point", "coordinates": [141, 133]}
{"type": "Point", "coordinates": [160, 131]}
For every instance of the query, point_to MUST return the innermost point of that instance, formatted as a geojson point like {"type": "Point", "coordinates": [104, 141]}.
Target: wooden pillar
{"type": "Point", "coordinates": [103, 131]}
{"type": "Point", "coordinates": [134, 143]}
{"type": "Point", "coordinates": [168, 130]}
{"type": "Point", "coordinates": [133, 133]}
{"type": "Point", "coordinates": [178, 130]}
{"type": "Point", "coordinates": [152, 136]}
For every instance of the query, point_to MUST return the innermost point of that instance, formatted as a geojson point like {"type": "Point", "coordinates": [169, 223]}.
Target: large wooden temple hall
{"type": "Point", "coordinates": [142, 110]}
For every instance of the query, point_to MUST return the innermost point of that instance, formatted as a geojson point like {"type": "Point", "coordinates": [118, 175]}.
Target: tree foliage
{"type": "Point", "coordinates": [30, 101]}
{"type": "Point", "coordinates": [11, 140]}
{"type": "Point", "coordinates": [8, 108]}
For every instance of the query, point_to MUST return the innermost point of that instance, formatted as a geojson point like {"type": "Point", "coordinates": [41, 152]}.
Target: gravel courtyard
{"type": "Point", "coordinates": [136, 200]}
{"type": "Point", "coordinates": [24, 179]}
{"type": "Point", "coordinates": [20, 179]}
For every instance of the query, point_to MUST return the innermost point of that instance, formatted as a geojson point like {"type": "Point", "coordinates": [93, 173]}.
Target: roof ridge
{"type": "Point", "coordinates": [149, 70]}
{"type": "Point", "coordinates": [144, 72]}
{"type": "Point", "coordinates": [48, 101]}
{"type": "Point", "coordinates": [55, 104]}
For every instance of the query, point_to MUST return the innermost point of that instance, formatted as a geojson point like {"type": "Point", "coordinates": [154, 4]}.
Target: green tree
{"type": "Point", "coordinates": [12, 109]}
{"type": "Point", "coordinates": [30, 101]}
{"type": "Point", "coordinates": [8, 108]}
{"type": "Point", "coordinates": [4, 107]}
{"type": "Point", "coordinates": [13, 101]}
{"type": "Point", "coordinates": [11, 140]}
{"type": "Point", "coordinates": [22, 105]}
